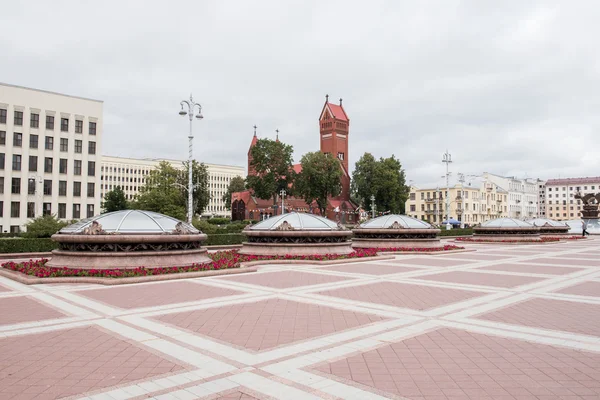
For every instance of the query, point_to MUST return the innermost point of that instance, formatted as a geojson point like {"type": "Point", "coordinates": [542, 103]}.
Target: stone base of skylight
{"type": "Point", "coordinates": [296, 249]}
{"type": "Point", "coordinates": [507, 237]}
{"type": "Point", "coordinates": [395, 243]}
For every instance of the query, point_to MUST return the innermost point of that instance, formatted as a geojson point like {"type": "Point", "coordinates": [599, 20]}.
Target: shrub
{"type": "Point", "coordinates": [32, 245]}
{"type": "Point", "coordinates": [44, 227]}
{"type": "Point", "coordinates": [224, 239]}
{"type": "Point", "coordinates": [218, 221]}
{"type": "Point", "coordinates": [456, 232]}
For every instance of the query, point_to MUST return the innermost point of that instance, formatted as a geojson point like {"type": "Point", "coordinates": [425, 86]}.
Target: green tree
{"type": "Point", "coordinates": [237, 184]}
{"type": "Point", "coordinates": [44, 226]}
{"type": "Point", "coordinates": [272, 161]}
{"type": "Point", "coordinates": [201, 196]}
{"type": "Point", "coordinates": [115, 200]}
{"type": "Point", "coordinates": [319, 179]}
{"type": "Point", "coordinates": [383, 178]}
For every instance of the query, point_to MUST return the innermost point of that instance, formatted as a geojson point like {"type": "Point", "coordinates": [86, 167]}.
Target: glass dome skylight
{"type": "Point", "coordinates": [386, 221]}
{"type": "Point", "coordinates": [506, 223]}
{"type": "Point", "coordinates": [130, 221]}
{"type": "Point", "coordinates": [544, 221]}
{"type": "Point", "coordinates": [298, 221]}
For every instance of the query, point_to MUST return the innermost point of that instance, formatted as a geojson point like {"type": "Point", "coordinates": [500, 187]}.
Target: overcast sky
{"type": "Point", "coordinates": [509, 87]}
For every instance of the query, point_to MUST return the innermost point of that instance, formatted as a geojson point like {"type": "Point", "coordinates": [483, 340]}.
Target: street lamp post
{"type": "Point", "coordinates": [372, 206]}
{"type": "Point", "coordinates": [447, 158]}
{"type": "Point", "coordinates": [191, 106]}
{"type": "Point", "coordinates": [282, 194]}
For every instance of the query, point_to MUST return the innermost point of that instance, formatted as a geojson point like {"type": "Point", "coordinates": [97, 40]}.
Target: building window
{"type": "Point", "coordinates": [91, 147]}
{"type": "Point", "coordinates": [16, 162]}
{"type": "Point", "coordinates": [19, 118]}
{"type": "Point", "coordinates": [90, 211]}
{"type": "Point", "coordinates": [78, 126]}
{"type": "Point", "coordinates": [62, 166]}
{"type": "Point", "coordinates": [76, 211]}
{"type": "Point", "coordinates": [33, 163]}
{"type": "Point", "coordinates": [30, 210]}
{"type": "Point", "coordinates": [16, 186]}
{"type": "Point", "coordinates": [64, 124]}
{"type": "Point", "coordinates": [48, 165]}
{"type": "Point", "coordinates": [31, 186]}
{"type": "Point", "coordinates": [77, 189]}
{"type": "Point", "coordinates": [15, 209]}
{"type": "Point", "coordinates": [33, 141]}
{"type": "Point", "coordinates": [2, 116]}
{"type": "Point", "coordinates": [1, 185]}
{"type": "Point", "coordinates": [62, 188]}
{"type": "Point", "coordinates": [47, 209]}
{"type": "Point", "coordinates": [49, 144]}
{"type": "Point", "coordinates": [62, 210]}
{"type": "Point", "coordinates": [64, 144]}
{"type": "Point", "coordinates": [34, 120]}
{"type": "Point", "coordinates": [47, 187]}
{"type": "Point", "coordinates": [2, 159]}
{"type": "Point", "coordinates": [91, 189]}
{"type": "Point", "coordinates": [50, 122]}
{"type": "Point", "coordinates": [91, 168]}
{"type": "Point", "coordinates": [78, 146]}
{"type": "Point", "coordinates": [77, 167]}
{"type": "Point", "coordinates": [92, 128]}
{"type": "Point", "coordinates": [17, 139]}
{"type": "Point", "coordinates": [2, 137]}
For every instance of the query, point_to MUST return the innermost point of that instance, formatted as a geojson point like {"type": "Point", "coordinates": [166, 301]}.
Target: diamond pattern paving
{"type": "Point", "coordinates": [583, 289]}
{"type": "Point", "coordinates": [474, 278]}
{"type": "Point", "coordinates": [150, 295]}
{"type": "Point", "coordinates": [564, 261]}
{"type": "Point", "coordinates": [415, 297]}
{"type": "Point", "coordinates": [286, 279]}
{"type": "Point", "coordinates": [455, 364]}
{"type": "Point", "coordinates": [16, 310]}
{"type": "Point", "coordinates": [434, 262]}
{"type": "Point", "coordinates": [370, 269]}
{"type": "Point", "coordinates": [551, 314]}
{"type": "Point", "coordinates": [236, 396]}
{"type": "Point", "coordinates": [69, 362]}
{"type": "Point", "coordinates": [532, 269]}
{"type": "Point", "coordinates": [267, 324]}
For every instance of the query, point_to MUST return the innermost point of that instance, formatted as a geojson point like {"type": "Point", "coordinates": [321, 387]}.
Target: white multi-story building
{"type": "Point", "coordinates": [542, 198]}
{"type": "Point", "coordinates": [49, 150]}
{"type": "Point", "coordinates": [523, 195]}
{"type": "Point", "coordinates": [130, 174]}
{"type": "Point", "coordinates": [561, 203]}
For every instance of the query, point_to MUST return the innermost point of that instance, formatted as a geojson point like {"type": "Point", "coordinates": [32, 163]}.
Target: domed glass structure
{"type": "Point", "coordinates": [296, 234]}
{"type": "Point", "coordinates": [546, 222]}
{"type": "Point", "coordinates": [296, 221]}
{"type": "Point", "coordinates": [395, 231]}
{"type": "Point", "coordinates": [130, 222]}
{"type": "Point", "coordinates": [387, 221]}
{"type": "Point", "coordinates": [503, 229]}
{"type": "Point", "coordinates": [506, 223]}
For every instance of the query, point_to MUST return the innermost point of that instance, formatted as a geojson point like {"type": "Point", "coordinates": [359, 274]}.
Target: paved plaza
{"type": "Point", "coordinates": [502, 322]}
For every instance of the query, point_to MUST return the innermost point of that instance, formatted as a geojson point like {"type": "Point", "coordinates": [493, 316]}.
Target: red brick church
{"type": "Point", "coordinates": [333, 131]}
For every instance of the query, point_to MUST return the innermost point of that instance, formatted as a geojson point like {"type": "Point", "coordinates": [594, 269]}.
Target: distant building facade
{"type": "Point", "coordinates": [523, 195]}
{"type": "Point", "coordinates": [560, 196]}
{"type": "Point", "coordinates": [131, 174]}
{"type": "Point", "coordinates": [50, 146]}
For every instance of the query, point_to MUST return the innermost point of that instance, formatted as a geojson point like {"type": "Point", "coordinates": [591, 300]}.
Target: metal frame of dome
{"type": "Point", "coordinates": [551, 222]}
{"type": "Point", "coordinates": [129, 239]}
{"type": "Point", "coordinates": [395, 231]}
{"type": "Point", "coordinates": [130, 222]}
{"type": "Point", "coordinates": [549, 226]}
{"type": "Point", "coordinates": [296, 234]}
{"type": "Point", "coordinates": [506, 223]}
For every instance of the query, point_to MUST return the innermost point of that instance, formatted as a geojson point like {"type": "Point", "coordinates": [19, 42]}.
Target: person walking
{"type": "Point", "coordinates": [584, 229]}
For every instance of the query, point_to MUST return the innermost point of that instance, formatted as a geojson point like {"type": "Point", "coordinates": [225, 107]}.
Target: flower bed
{"type": "Point", "coordinates": [447, 247]}
{"type": "Point", "coordinates": [542, 239]}
{"type": "Point", "coordinates": [220, 260]}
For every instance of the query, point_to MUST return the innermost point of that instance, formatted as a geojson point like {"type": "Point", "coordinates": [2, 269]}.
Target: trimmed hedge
{"type": "Point", "coordinates": [456, 232]}
{"type": "Point", "coordinates": [18, 245]}
{"type": "Point", "coordinates": [224, 239]}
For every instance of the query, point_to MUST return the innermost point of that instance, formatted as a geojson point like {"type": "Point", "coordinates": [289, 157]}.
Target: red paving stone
{"type": "Point", "coordinates": [371, 269]}
{"type": "Point", "coordinates": [285, 279]}
{"type": "Point", "coordinates": [433, 262]}
{"type": "Point", "coordinates": [70, 362]}
{"type": "Point", "coordinates": [16, 310]}
{"type": "Point", "coordinates": [453, 364]}
{"type": "Point", "coordinates": [4, 289]}
{"type": "Point", "coordinates": [416, 297]}
{"type": "Point", "coordinates": [583, 289]}
{"type": "Point", "coordinates": [159, 294]}
{"type": "Point", "coordinates": [551, 314]}
{"type": "Point", "coordinates": [269, 323]}
{"type": "Point", "coordinates": [474, 278]}
{"type": "Point", "coordinates": [532, 269]}
{"type": "Point", "coordinates": [477, 257]}
{"type": "Point", "coordinates": [236, 396]}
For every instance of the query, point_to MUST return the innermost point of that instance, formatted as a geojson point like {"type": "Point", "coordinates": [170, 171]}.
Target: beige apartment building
{"type": "Point", "coordinates": [471, 204]}
{"type": "Point", "coordinates": [561, 203]}
{"type": "Point", "coordinates": [49, 150]}
{"type": "Point", "coordinates": [130, 174]}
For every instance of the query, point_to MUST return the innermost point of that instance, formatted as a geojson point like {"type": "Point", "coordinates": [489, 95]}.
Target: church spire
{"type": "Point", "coordinates": [255, 130]}
{"type": "Point", "coordinates": [277, 135]}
